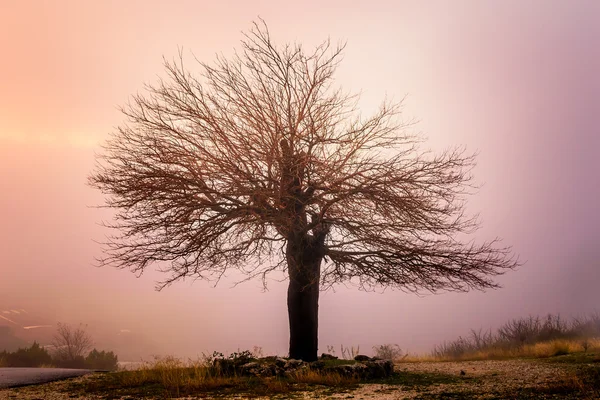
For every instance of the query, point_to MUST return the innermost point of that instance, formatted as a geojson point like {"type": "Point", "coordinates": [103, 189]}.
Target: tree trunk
{"type": "Point", "coordinates": [304, 267]}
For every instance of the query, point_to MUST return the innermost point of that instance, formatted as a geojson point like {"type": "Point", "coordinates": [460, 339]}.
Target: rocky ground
{"type": "Point", "coordinates": [559, 378]}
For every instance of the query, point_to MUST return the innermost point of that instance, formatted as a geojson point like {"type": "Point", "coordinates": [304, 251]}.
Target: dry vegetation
{"type": "Point", "coordinates": [527, 358]}
{"type": "Point", "coordinates": [573, 376]}
{"type": "Point", "coordinates": [526, 337]}
{"type": "Point", "coordinates": [172, 378]}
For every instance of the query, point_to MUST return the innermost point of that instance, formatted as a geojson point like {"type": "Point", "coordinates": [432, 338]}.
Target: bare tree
{"type": "Point", "coordinates": [259, 164]}
{"type": "Point", "coordinates": [71, 344]}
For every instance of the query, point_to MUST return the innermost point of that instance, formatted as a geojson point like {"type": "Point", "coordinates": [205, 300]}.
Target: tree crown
{"type": "Point", "coordinates": [219, 171]}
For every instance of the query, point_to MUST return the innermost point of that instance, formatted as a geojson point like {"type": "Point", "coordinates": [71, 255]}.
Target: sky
{"type": "Point", "coordinates": [515, 81]}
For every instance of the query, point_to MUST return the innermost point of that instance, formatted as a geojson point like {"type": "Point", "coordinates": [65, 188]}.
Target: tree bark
{"type": "Point", "coordinates": [304, 267]}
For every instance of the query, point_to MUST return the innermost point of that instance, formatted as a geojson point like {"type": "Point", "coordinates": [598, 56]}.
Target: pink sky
{"type": "Point", "coordinates": [516, 81]}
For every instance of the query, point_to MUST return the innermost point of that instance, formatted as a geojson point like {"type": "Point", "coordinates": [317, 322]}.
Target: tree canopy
{"type": "Point", "coordinates": [259, 158]}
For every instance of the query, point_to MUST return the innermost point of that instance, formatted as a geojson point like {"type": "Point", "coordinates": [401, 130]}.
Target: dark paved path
{"type": "Point", "coordinates": [10, 377]}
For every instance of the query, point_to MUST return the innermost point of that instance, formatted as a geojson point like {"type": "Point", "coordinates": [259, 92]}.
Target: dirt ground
{"type": "Point", "coordinates": [512, 379]}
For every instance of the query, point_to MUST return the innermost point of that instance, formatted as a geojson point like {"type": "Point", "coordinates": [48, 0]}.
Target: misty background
{"type": "Point", "coordinates": [517, 82]}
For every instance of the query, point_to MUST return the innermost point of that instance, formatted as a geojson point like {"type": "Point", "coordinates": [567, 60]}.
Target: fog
{"type": "Point", "coordinates": [517, 82]}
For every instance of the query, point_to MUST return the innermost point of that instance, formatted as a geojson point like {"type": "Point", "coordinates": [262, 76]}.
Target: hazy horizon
{"type": "Point", "coordinates": [516, 82]}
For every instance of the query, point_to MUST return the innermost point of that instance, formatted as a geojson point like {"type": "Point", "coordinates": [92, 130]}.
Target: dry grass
{"type": "Point", "coordinates": [175, 377]}
{"type": "Point", "coordinates": [552, 348]}
{"type": "Point", "coordinates": [525, 337]}
{"type": "Point", "coordinates": [313, 377]}
{"type": "Point", "coordinates": [545, 349]}
{"type": "Point", "coordinates": [170, 377]}
{"type": "Point", "coordinates": [584, 382]}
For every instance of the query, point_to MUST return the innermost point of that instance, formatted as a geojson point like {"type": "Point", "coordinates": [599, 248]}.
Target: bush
{"type": "Point", "coordinates": [34, 356]}
{"type": "Point", "coordinates": [586, 327]}
{"type": "Point", "coordinates": [104, 360]}
{"type": "Point", "coordinates": [388, 352]}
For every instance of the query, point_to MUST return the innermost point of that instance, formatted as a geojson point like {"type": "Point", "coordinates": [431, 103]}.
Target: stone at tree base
{"type": "Point", "coordinates": [316, 365]}
{"type": "Point", "coordinates": [361, 358]}
{"type": "Point", "coordinates": [252, 368]}
{"type": "Point", "coordinates": [281, 367]}
{"type": "Point", "coordinates": [259, 370]}
{"type": "Point", "coordinates": [326, 356]}
{"type": "Point", "coordinates": [351, 370]}
{"type": "Point", "coordinates": [280, 362]}
{"type": "Point", "coordinates": [293, 364]}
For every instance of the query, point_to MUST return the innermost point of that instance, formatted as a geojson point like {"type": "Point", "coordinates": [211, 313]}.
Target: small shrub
{"type": "Point", "coordinates": [209, 359]}
{"type": "Point", "coordinates": [454, 349]}
{"type": "Point", "coordinates": [330, 350]}
{"type": "Point", "coordinates": [349, 353]}
{"type": "Point", "coordinates": [102, 360]}
{"type": "Point", "coordinates": [388, 352]}
{"type": "Point", "coordinates": [241, 357]}
{"type": "Point", "coordinates": [585, 344]}
{"type": "Point", "coordinates": [257, 352]}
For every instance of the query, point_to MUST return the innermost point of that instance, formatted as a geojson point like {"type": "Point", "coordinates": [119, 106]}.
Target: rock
{"type": "Point", "coordinates": [292, 367]}
{"type": "Point", "coordinates": [280, 362]}
{"type": "Point", "coordinates": [252, 368]}
{"type": "Point", "coordinates": [261, 370]}
{"type": "Point", "coordinates": [343, 370]}
{"type": "Point", "coordinates": [326, 356]}
{"type": "Point", "coordinates": [293, 364]}
{"type": "Point", "coordinates": [316, 365]}
{"type": "Point", "coordinates": [281, 367]}
{"type": "Point", "coordinates": [269, 370]}
{"type": "Point", "coordinates": [359, 370]}
{"type": "Point", "coordinates": [361, 358]}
